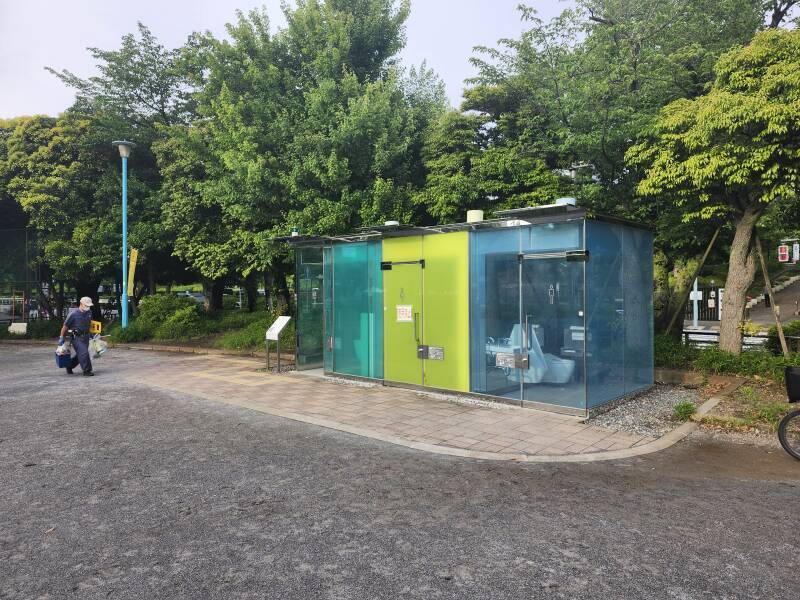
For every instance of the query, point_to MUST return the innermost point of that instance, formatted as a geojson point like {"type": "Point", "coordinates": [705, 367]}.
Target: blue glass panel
{"type": "Point", "coordinates": [605, 313]}
{"type": "Point", "coordinates": [357, 310]}
{"type": "Point", "coordinates": [494, 309]}
{"type": "Point", "coordinates": [638, 292]}
{"type": "Point", "coordinates": [552, 237]}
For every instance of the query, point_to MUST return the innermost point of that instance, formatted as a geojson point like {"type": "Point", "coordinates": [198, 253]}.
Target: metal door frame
{"type": "Point", "coordinates": [570, 256]}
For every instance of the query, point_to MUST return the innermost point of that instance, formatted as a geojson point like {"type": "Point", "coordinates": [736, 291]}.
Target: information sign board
{"type": "Point", "coordinates": [275, 329]}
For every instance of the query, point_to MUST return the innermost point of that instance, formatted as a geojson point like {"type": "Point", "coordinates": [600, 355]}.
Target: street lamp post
{"type": "Point", "coordinates": [124, 152]}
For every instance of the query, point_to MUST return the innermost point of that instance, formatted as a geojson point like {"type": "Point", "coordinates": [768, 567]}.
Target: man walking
{"type": "Point", "coordinates": [78, 323]}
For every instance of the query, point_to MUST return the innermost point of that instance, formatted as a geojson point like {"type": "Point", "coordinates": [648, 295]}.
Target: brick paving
{"type": "Point", "coordinates": [385, 411]}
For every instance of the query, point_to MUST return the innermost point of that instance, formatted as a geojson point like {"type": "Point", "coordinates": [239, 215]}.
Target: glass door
{"type": "Point", "coordinates": [309, 326]}
{"type": "Point", "coordinates": [552, 329]}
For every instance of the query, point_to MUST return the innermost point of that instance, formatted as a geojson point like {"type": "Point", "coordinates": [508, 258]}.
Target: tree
{"type": "Point", "coordinates": [732, 152]}
{"type": "Point", "coordinates": [64, 183]}
{"type": "Point", "coordinates": [139, 91]}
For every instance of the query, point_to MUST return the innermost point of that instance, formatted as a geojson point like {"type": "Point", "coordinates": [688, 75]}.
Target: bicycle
{"type": "Point", "coordinates": [789, 428]}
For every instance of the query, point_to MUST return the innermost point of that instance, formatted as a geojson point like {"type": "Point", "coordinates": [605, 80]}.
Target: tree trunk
{"type": "Point", "coordinates": [268, 281]}
{"type": "Point", "coordinates": [151, 278]}
{"type": "Point", "coordinates": [212, 290]}
{"type": "Point", "coordinates": [89, 288]}
{"type": "Point", "coordinates": [741, 271]}
{"type": "Point", "coordinates": [285, 299]}
{"type": "Point", "coordinates": [251, 289]}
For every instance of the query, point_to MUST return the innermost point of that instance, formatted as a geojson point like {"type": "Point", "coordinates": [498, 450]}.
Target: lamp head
{"type": "Point", "coordinates": [124, 147]}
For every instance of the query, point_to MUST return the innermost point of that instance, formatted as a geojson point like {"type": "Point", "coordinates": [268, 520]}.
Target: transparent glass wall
{"type": "Point", "coordinates": [494, 309]}
{"type": "Point", "coordinates": [619, 311]}
{"type": "Point", "coordinates": [327, 289]}
{"type": "Point", "coordinates": [354, 325]}
{"type": "Point", "coordinates": [309, 283]}
{"type": "Point", "coordinates": [527, 301]}
{"type": "Point", "coordinates": [637, 279]}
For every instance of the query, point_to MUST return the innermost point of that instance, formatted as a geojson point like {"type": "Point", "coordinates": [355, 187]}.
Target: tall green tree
{"type": "Point", "coordinates": [731, 153]}
{"type": "Point", "coordinates": [138, 91]}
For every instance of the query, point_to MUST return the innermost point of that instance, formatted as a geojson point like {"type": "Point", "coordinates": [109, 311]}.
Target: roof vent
{"type": "Point", "coordinates": [392, 224]}
{"type": "Point", "coordinates": [566, 202]}
{"type": "Point", "coordinates": [474, 216]}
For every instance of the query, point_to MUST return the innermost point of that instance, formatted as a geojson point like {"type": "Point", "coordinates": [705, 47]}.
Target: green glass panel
{"type": "Point", "coordinates": [309, 328]}
{"type": "Point", "coordinates": [327, 292]}
{"type": "Point", "coordinates": [402, 294]}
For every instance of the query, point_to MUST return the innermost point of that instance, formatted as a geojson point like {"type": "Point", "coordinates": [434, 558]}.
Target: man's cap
{"type": "Point", "coordinates": [86, 301]}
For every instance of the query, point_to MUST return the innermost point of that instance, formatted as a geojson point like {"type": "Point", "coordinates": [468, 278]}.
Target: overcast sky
{"type": "Point", "coordinates": [55, 33]}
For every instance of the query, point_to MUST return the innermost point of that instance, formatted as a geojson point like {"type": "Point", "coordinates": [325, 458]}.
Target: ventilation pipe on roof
{"type": "Point", "coordinates": [392, 224]}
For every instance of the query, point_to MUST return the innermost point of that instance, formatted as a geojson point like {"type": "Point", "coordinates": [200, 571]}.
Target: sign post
{"type": "Point", "coordinates": [274, 333]}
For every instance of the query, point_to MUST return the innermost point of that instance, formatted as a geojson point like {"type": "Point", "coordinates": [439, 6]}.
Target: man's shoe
{"type": "Point", "coordinates": [88, 374]}
{"type": "Point", "coordinates": [69, 371]}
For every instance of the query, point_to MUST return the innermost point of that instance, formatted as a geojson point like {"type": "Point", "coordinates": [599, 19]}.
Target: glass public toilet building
{"type": "Point", "coordinates": [549, 307]}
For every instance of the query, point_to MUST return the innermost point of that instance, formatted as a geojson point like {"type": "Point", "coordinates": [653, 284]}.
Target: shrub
{"type": "Point", "coordinates": [43, 329]}
{"type": "Point", "coordinates": [157, 309]}
{"type": "Point", "coordinates": [773, 343]}
{"type": "Point", "coordinates": [670, 352]}
{"type": "Point", "coordinates": [184, 323]}
{"type": "Point", "coordinates": [138, 330]}
{"type": "Point", "coordinates": [252, 336]}
{"type": "Point", "coordinates": [750, 363]}
{"type": "Point", "coordinates": [683, 411]}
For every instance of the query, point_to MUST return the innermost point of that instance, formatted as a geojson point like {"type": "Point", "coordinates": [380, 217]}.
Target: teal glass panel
{"type": "Point", "coordinates": [327, 292]}
{"type": "Point", "coordinates": [637, 280]}
{"type": "Point", "coordinates": [605, 313]}
{"type": "Point", "coordinates": [357, 310]}
{"type": "Point", "coordinates": [494, 310]}
{"type": "Point", "coordinates": [309, 327]}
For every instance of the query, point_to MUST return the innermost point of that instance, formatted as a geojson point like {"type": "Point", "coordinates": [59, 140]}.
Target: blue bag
{"type": "Point", "coordinates": [63, 360]}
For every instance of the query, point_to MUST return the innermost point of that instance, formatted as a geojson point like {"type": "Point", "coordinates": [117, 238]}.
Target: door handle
{"type": "Point", "coordinates": [416, 332]}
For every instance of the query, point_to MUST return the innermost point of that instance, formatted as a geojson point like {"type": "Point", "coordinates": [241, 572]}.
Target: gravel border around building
{"type": "Point", "coordinates": [649, 413]}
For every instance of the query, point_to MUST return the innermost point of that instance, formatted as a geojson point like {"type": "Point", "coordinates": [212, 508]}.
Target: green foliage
{"type": "Point", "coordinates": [671, 353]}
{"type": "Point", "coordinates": [156, 309]}
{"type": "Point", "coordinates": [184, 323]}
{"type": "Point", "coordinates": [683, 411]}
{"type": "Point", "coordinates": [752, 363]}
{"type": "Point", "coordinates": [773, 343]}
{"type": "Point", "coordinates": [41, 329]}
{"type": "Point", "coordinates": [138, 330]}
{"type": "Point", "coordinates": [251, 338]}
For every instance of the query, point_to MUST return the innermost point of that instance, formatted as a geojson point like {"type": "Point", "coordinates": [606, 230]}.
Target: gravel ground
{"type": "Point", "coordinates": [116, 490]}
{"type": "Point", "coordinates": [649, 413]}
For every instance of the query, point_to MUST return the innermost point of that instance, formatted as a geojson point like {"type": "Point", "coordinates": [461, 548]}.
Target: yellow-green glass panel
{"type": "Point", "coordinates": [446, 314]}
{"type": "Point", "coordinates": [402, 309]}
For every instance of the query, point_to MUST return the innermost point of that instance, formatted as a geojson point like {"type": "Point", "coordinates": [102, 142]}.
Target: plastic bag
{"type": "Point", "coordinates": [97, 346]}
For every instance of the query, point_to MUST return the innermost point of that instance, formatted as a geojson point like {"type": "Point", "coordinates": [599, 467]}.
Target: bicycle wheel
{"type": "Point", "coordinates": [789, 433]}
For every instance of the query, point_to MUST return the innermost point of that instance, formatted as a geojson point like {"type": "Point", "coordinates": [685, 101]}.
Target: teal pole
{"type": "Point", "coordinates": [124, 242]}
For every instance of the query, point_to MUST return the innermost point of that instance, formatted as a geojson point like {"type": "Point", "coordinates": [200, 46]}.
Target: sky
{"type": "Point", "coordinates": [56, 33]}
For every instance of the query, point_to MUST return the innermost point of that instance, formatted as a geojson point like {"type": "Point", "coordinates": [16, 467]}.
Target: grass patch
{"type": "Point", "coordinates": [758, 406]}
{"type": "Point", "coordinates": [683, 411]}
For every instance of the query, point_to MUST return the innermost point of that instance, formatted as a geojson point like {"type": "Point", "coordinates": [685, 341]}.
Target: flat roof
{"type": "Point", "coordinates": [518, 217]}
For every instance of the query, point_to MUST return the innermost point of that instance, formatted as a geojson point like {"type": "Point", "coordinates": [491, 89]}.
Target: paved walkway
{"type": "Point", "coordinates": [419, 420]}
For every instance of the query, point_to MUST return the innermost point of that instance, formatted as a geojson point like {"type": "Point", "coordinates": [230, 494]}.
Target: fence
{"type": "Point", "coordinates": [711, 338]}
